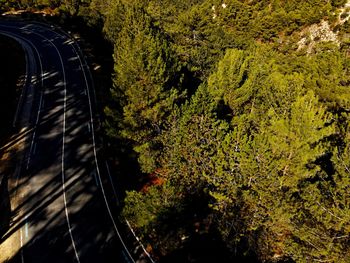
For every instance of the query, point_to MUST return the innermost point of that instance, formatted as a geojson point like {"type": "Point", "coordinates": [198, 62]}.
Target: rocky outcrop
{"type": "Point", "coordinates": [317, 33]}
{"type": "Point", "coordinates": [322, 32]}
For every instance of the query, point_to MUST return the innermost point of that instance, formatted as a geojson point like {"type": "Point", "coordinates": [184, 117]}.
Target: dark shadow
{"type": "Point", "coordinates": [12, 68]}
{"type": "Point", "coordinates": [40, 215]}
{"type": "Point", "coordinates": [189, 228]}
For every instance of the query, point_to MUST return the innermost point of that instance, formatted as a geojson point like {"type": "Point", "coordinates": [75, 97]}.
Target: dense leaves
{"type": "Point", "coordinates": [147, 79]}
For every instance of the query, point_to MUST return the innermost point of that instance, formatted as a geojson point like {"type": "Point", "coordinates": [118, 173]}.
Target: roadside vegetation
{"type": "Point", "coordinates": [237, 132]}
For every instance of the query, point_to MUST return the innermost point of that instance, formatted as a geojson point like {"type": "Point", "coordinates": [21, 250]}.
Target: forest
{"type": "Point", "coordinates": [240, 132]}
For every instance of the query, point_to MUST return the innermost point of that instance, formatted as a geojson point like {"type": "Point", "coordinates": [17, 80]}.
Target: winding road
{"type": "Point", "coordinates": [63, 211]}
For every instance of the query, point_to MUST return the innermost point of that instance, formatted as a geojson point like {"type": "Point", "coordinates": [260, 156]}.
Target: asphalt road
{"type": "Point", "coordinates": [64, 212]}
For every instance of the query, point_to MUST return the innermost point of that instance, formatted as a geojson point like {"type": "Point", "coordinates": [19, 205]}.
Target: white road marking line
{"type": "Point", "coordinates": [97, 165]}
{"type": "Point", "coordinates": [16, 36]}
{"type": "Point", "coordinates": [63, 148]}
{"type": "Point", "coordinates": [96, 161]}
{"type": "Point", "coordinates": [102, 188]}
{"type": "Point", "coordinates": [63, 139]}
{"type": "Point", "coordinates": [22, 41]}
{"type": "Point", "coordinates": [139, 241]}
{"type": "Point", "coordinates": [113, 188]}
{"type": "Point", "coordinates": [94, 148]}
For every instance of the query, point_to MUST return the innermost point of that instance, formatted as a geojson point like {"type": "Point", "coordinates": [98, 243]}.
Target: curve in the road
{"type": "Point", "coordinates": [64, 131]}
{"type": "Point", "coordinates": [17, 37]}
{"type": "Point", "coordinates": [83, 67]}
{"type": "Point", "coordinates": [24, 42]}
{"type": "Point", "coordinates": [95, 155]}
{"type": "Point", "coordinates": [42, 32]}
{"type": "Point", "coordinates": [63, 143]}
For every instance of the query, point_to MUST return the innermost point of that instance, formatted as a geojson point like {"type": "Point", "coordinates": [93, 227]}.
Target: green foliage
{"type": "Point", "coordinates": [263, 135]}
{"type": "Point", "coordinates": [143, 208]}
{"type": "Point", "coordinates": [147, 80]}
{"type": "Point", "coordinates": [191, 141]}
{"type": "Point", "coordinates": [114, 13]}
{"type": "Point", "coordinates": [260, 172]}
{"type": "Point", "coordinates": [217, 101]}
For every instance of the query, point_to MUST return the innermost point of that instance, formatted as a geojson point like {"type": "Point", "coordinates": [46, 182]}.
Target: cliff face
{"type": "Point", "coordinates": [324, 32]}
{"type": "Point", "coordinates": [344, 13]}
{"type": "Point", "coordinates": [317, 33]}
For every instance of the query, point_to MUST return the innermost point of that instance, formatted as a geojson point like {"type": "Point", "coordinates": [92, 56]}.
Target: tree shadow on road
{"type": "Point", "coordinates": [5, 206]}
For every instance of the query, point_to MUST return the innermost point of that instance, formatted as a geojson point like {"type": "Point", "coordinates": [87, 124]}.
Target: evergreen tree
{"type": "Point", "coordinates": [146, 83]}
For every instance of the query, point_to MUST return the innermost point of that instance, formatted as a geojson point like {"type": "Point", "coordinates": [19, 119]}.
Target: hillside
{"type": "Point", "coordinates": [230, 122]}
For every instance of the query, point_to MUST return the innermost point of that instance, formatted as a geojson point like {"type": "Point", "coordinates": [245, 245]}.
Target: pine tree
{"type": "Point", "coordinates": [146, 83]}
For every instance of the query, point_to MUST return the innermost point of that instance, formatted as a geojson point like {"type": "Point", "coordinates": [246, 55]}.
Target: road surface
{"type": "Point", "coordinates": [63, 211]}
